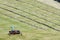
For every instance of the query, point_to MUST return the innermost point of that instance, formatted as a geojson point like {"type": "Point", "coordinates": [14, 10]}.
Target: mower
{"type": "Point", "coordinates": [14, 32]}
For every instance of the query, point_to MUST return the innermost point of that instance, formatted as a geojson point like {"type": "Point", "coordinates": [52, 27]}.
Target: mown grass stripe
{"type": "Point", "coordinates": [54, 19]}
{"type": "Point", "coordinates": [31, 14]}
{"type": "Point", "coordinates": [22, 21]}
{"type": "Point", "coordinates": [39, 7]}
{"type": "Point", "coordinates": [32, 19]}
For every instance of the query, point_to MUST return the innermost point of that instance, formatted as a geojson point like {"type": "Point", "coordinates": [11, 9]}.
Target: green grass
{"type": "Point", "coordinates": [30, 9]}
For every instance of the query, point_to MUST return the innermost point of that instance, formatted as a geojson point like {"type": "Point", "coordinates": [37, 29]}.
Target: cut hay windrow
{"type": "Point", "coordinates": [45, 8]}
{"type": "Point", "coordinates": [39, 7]}
{"type": "Point", "coordinates": [32, 14]}
{"type": "Point", "coordinates": [23, 21]}
{"type": "Point", "coordinates": [50, 16]}
{"type": "Point", "coordinates": [31, 19]}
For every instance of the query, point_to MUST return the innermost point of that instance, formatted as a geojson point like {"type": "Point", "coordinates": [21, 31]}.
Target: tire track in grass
{"type": "Point", "coordinates": [39, 7]}
{"type": "Point", "coordinates": [31, 14]}
{"type": "Point", "coordinates": [22, 21]}
{"type": "Point", "coordinates": [32, 19]}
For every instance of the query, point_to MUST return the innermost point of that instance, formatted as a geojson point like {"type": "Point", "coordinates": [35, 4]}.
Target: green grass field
{"type": "Point", "coordinates": [36, 21]}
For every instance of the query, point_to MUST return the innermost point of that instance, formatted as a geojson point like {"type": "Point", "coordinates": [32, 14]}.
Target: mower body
{"type": "Point", "coordinates": [14, 32]}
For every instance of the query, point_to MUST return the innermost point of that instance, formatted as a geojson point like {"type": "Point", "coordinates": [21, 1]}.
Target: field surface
{"type": "Point", "coordinates": [36, 20]}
